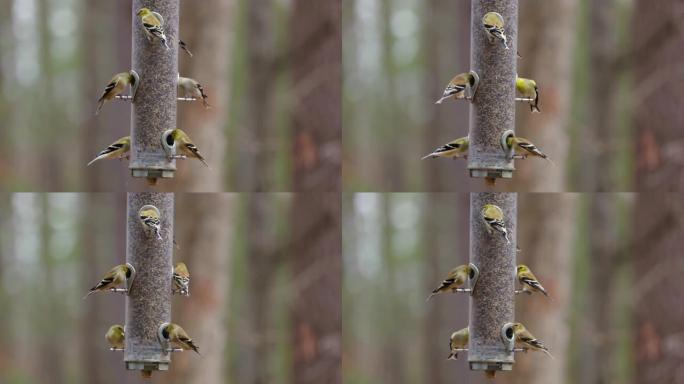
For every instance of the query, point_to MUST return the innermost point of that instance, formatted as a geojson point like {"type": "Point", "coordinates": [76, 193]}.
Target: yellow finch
{"type": "Point", "coordinates": [153, 23]}
{"type": "Point", "coordinates": [181, 278]}
{"type": "Point", "coordinates": [454, 149]}
{"type": "Point", "coordinates": [458, 340]}
{"type": "Point", "coordinates": [456, 278]}
{"type": "Point", "coordinates": [149, 217]}
{"type": "Point", "coordinates": [117, 149]}
{"type": "Point", "coordinates": [116, 276]}
{"type": "Point", "coordinates": [458, 87]}
{"type": "Point", "coordinates": [528, 89]}
{"type": "Point", "coordinates": [192, 88]}
{"type": "Point", "coordinates": [184, 47]}
{"type": "Point", "coordinates": [115, 87]}
{"type": "Point", "coordinates": [494, 220]}
{"type": "Point", "coordinates": [529, 281]}
{"type": "Point", "coordinates": [524, 147]}
{"type": "Point", "coordinates": [115, 336]}
{"type": "Point", "coordinates": [494, 26]}
{"type": "Point", "coordinates": [524, 337]}
{"type": "Point", "coordinates": [178, 338]}
{"type": "Point", "coordinates": [185, 145]}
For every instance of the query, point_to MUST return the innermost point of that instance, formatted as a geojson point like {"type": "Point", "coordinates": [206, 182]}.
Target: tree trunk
{"type": "Point", "coordinates": [316, 90]}
{"type": "Point", "coordinates": [546, 247]}
{"type": "Point", "coordinates": [547, 45]}
{"type": "Point", "coordinates": [315, 257]}
{"type": "Point", "coordinates": [446, 35]}
{"type": "Point", "coordinates": [204, 236]}
{"type": "Point", "coordinates": [210, 40]}
{"type": "Point", "coordinates": [255, 155]}
{"type": "Point", "coordinates": [658, 316]}
{"type": "Point", "coordinates": [101, 27]}
{"type": "Point", "coordinates": [659, 116]}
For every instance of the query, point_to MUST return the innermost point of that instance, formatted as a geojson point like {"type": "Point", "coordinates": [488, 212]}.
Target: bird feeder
{"type": "Point", "coordinates": [492, 303]}
{"type": "Point", "coordinates": [493, 110]}
{"type": "Point", "coordinates": [154, 107]}
{"type": "Point", "coordinates": [149, 301]}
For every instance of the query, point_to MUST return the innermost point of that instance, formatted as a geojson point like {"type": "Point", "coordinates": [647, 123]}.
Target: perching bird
{"type": "Point", "coordinates": [116, 150]}
{"type": "Point", "coordinates": [184, 47]}
{"type": "Point", "coordinates": [185, 145]}
{"type": "Point", "coordinates": [116, 276]}
{"type": "Point", "coordinates": [529, 280]}
{"type": "Point", "coordinates": [494, 220]}
{"type": "Point", "coordinates": [149, 217]}
{"type": "Point", "coordinates": [192, 88]}
{"type": "Point", "coordinates": [458, 340]}
{"type": "Point", "coordinates": [455, 279]}
{"type": "Point", "coordinates": [494, 26]}
{"type": "Point", "coordinates": [457, 87]}
{"type": "Point", "coordinates": [525, 147]}
{"type": "Point", "coordinates": [153, 23]}
{"type": "Point", "coordinates": [115, 87]}
{"type": "Point", "coordinates": [528, 89]}
{"type": "Point", "coordinates": [453, 149]}
{"type": "Point", "coordinates": [181, 278]}
{"type": "Point", "coordinates": [178, 338]}
{"type": "Point", "coordinates": [523, 336]}
{"type": "Point", "coordinates": [115, 336]}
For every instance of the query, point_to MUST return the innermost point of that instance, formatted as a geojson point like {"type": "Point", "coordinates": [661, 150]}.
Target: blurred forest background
{"type": "Point", "coordinates": [611, 89]}
{"type": "Point", "coordinates": [610, 262]}
{"type": "Point", "coordinates": [265, 288]}
{"type": "Point", "coordinates": [271, 69]}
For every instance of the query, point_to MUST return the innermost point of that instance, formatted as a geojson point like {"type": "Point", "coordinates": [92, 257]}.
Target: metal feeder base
{"type": "Point", "coordinates": [153, 173]}
{"type": "Point", "coordinates": [146, 366]}
{"type": "Point", "coordinates": [492, 174]}
{"type": "Point", "coordinates": [490, 366]}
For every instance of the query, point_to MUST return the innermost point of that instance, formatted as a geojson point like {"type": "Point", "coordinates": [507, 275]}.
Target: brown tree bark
{"type": "Point", "coordinates": [658, 313]}
{"type": "Point", "coordinates": [546, 45]}
{"type": "Point", "coordinates": [204, 235]}
{"type": "Point", "coordinates": [546, 247]}
{"type": "Point", "coordinates": [208, 30]}
{"type": "Point", "coordinates": [315, 259]}
{"type": "Point", "coordinates": [658, 116]}
{"type": "Point", "coordinates": [316, 68]}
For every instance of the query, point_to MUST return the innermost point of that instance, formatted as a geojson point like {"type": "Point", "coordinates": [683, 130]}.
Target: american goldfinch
{"type": "Point", "coordinates": [528, 89]}
{"type": "Point", "coordinates": [185, 145]}
{"type": "Point", "coordinates": [115, 87]}
{"type": "Point", "coordinates": [458, 340]}
{"type": "Point", "coordinates": [117, 149]}
{"type": "Point", "coordinates": [455, 279]}
{"type": "Point", "coordinates": [454, 149]}
{"type": "Point", "coordinates": [494, 26]}
{"type": "Point", "coordinates": [525, 147]}
{"type": "Point", "coordinates": [178, 338]}
{"type": "Point", "coordinates": [149, 217]}
{"type": "Point", "coordinates": [494, 220]}
{"type": "Point", "coordinates": [192, 88]}
{"type": "Point", "coordinates": [153, 23]}
{"type": "Point", "coordinates": [116, 276]}
{"type": "Point", "coordinates": [181, 278]}
{"type": "Point", "coordinates": [529, 281]}
{"type": "Point", "coordinates": [115, 336]}
{"type": "Point", "coordinates": [184, 47]}
{"type": "Point", "coordinates": [524, 337]}
{"type": "Point", "coordinates": [458, 87]}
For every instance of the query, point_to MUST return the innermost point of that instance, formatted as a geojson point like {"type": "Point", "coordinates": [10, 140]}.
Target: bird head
{"type": "Point", "coordinates": [143, 12]}
{"type": "Point", "coordinates": [522, 268]}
